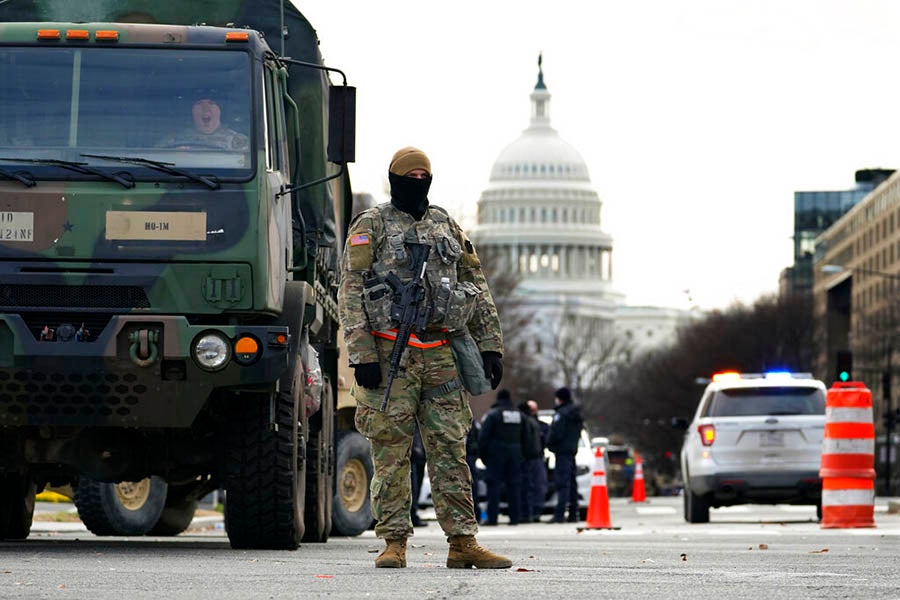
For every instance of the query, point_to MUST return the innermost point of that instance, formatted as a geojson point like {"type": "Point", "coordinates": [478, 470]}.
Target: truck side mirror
{"type": "Point", "coordinates": [341, 124]}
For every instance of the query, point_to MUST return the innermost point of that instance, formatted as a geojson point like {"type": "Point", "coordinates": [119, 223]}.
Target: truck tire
{"type": "Point", "coordinates": [175, 518]}
{"type": "Point", "coordinates": [352, 512]}
{"type": "Point", "coordinates": [320, 472]}
{"type": "Point", "coordinates": [17, 492]}
{"type": "Point", "coordinates": [265, 477]}
{"type": "Point", "coordinates": [126, 508]}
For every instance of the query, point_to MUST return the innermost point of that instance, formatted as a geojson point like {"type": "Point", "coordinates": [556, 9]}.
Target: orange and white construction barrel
{"type": "Point", "coordinates": [848, 457]}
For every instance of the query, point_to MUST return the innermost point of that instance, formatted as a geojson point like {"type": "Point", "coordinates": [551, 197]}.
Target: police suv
{"type": "Point", "coordinates": [755, 438]}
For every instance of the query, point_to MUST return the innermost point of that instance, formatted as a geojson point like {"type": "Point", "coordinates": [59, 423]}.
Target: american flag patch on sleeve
{"type": "Point", "coordinates": [359, 239]}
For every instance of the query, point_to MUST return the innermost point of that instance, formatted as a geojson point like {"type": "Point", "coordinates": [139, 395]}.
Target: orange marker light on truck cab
{"type": "Point", "coordinates": [106, 35]}
{"type": "Point", "coordinates": [48, 34]}
{"type": "Point", "coordinates": [246, 350]}
{"type": "Point", "coordinates": [246, 345]}
{"type": "Point", "coordinates": [237, 36]}
{"type": "Point", "coordinates": [78, 34]}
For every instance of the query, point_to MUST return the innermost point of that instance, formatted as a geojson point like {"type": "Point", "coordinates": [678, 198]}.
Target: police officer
{"type": "Point", "coordinates": [500, 447]}
{"type": "Point", "coordinates": [534, 469]}
{"type": "Point", "coordinates": [430, 391]}
{"type": "Point", "coordinates": [563, 442]}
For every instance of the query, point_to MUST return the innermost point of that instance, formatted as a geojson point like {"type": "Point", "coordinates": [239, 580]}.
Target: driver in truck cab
{"type": "Point", "coordinates": [207, 130]}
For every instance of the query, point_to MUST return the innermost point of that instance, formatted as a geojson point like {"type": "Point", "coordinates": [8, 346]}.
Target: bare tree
{"type": "Point", "coordinates": [774, 333]}
{"type": "Point", "coordinates": [586, 351]}
{"type": "Point", "coordinates": [522, 372]}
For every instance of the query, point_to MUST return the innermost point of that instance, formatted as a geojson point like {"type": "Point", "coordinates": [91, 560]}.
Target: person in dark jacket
{"type": "Point", "coordinates": [500, 448]}
{"type": "Point", "coordinates": [534, 470]}
{"type": "Point", "coordinates": [563, 442]}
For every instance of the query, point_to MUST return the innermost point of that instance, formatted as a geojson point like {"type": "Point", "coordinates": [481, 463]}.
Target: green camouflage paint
{"type": "Point", "coordinates": [229, 277]}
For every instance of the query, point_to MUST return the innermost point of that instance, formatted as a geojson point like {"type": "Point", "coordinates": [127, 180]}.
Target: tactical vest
{"type": "Point", "coordinates": [452, 302]}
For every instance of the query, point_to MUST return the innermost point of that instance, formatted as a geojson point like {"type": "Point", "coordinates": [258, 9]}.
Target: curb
{"type": "Point", "coordinates": [53, 526]}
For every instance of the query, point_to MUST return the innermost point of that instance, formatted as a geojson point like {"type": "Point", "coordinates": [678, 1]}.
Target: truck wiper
{"type": "Point", "coordinates": [25, 177]}
{"type": "Point", "coordinates": [159, 166]}
{"type": "Point", "coordinates": [77, 167]}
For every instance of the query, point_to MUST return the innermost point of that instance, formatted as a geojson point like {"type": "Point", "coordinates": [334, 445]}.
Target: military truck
{"type": "Point", "coordinates": [168, 271]}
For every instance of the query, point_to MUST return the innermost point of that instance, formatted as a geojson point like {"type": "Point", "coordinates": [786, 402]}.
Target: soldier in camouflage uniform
{"type": "Point", "coordinates": [429, 390]}
{"type": "Point", "coordinates": [207, 131]}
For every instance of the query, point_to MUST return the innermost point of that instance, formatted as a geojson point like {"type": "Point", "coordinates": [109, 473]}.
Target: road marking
{"type": "Point", "coordinates": [655, 510]}
{"type": "Point", "coordinates": [741, 508]}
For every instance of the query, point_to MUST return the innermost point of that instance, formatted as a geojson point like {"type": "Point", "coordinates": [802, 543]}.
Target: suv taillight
{"type": "Point", "coordinates": [707, 434]}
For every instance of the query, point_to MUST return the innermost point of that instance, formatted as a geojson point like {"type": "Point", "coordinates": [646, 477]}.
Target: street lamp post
{"type": "Point", "coordinates": [886, 374]}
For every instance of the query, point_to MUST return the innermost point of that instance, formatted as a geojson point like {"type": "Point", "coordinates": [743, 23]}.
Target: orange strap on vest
{"type": "Point", "coordinates": [415, 342]}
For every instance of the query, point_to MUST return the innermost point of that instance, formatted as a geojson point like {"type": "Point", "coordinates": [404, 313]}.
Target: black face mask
{"type": "Point", "coordinates": [410, 194]}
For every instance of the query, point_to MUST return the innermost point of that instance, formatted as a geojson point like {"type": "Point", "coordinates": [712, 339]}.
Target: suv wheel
{"type": "Point", "coordinates": [696, 508]}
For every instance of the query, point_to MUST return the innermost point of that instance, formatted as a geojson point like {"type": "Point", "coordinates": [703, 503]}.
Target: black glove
{"type": "Point", "coordinates": [367, 375]}
{"type": "Point", "coordinates": [493, 367]}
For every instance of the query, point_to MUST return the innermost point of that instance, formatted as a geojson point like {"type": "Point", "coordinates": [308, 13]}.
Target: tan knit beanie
{"type": "Point", "coordinates": [408, 159]}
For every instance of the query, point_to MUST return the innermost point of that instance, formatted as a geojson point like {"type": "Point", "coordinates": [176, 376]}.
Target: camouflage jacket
{"type": "Point", "coordinates": [223, 137]}
{"type": "Point", "coordinates": [455, 286]}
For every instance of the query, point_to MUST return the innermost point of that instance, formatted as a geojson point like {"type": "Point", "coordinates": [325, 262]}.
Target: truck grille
{"type": "Point", "coordinates": [67, 296]}
{"type": "Point", "coordinates": [68, 394]}
{"type": "Point", "coordinates": [94, 322]}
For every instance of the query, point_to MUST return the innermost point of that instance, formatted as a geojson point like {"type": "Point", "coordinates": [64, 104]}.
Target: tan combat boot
{"type": "Point", "coordinates": [394, 555]}
{"type": "Point", "coordinates": [465, 553]}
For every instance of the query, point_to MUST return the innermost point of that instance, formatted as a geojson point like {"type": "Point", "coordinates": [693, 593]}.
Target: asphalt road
{"type": "Point", "coordinates": [757, 552]}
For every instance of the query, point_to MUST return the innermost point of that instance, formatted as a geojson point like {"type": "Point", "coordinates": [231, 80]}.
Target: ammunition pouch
{"type": "Point", "coordinates": [377, 300]}
{"type": "Point", "coordinates": [455, 307]}
{"type": "Point", "coordinates": [468, 362]}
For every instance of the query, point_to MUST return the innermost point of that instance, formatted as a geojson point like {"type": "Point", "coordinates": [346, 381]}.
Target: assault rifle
{"type": "Point", "coordinates": [407, 310]}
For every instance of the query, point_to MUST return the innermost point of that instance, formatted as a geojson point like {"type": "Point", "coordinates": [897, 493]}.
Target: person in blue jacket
{"type": "Point", "coordinates": [563, 442]}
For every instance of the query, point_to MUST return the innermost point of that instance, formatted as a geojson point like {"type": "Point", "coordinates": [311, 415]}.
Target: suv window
{"type": "Point", "coordinates": [741, 402]}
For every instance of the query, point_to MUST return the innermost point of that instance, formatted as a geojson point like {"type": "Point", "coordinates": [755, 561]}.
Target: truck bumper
{"type": "Point", "coordinates": [99, 383]}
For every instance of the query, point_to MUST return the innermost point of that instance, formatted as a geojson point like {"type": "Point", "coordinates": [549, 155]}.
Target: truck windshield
{"type": "Point", "coordinates": [186, 108]}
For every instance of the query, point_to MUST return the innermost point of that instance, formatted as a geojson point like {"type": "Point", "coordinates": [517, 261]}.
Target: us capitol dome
{"type": "Point", "coordinates": [539, 217]}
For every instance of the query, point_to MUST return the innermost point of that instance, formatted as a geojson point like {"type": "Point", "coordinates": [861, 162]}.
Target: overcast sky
{"type": "Point", "coordinates": [697, 119]}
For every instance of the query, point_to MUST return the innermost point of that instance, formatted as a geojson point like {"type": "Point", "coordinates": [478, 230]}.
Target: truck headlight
{"type": "Point", "coordinates": [211, 351]}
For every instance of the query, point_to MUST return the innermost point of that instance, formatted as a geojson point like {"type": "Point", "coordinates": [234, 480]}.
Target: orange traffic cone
{"type": "Point", "coordinates": [598, 505]}
{"type": "Point", "coordinates": [638, 491]}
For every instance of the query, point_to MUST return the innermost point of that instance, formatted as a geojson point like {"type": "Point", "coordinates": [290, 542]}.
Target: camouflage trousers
{"type": "Point", "coordinates": [444, 419]}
